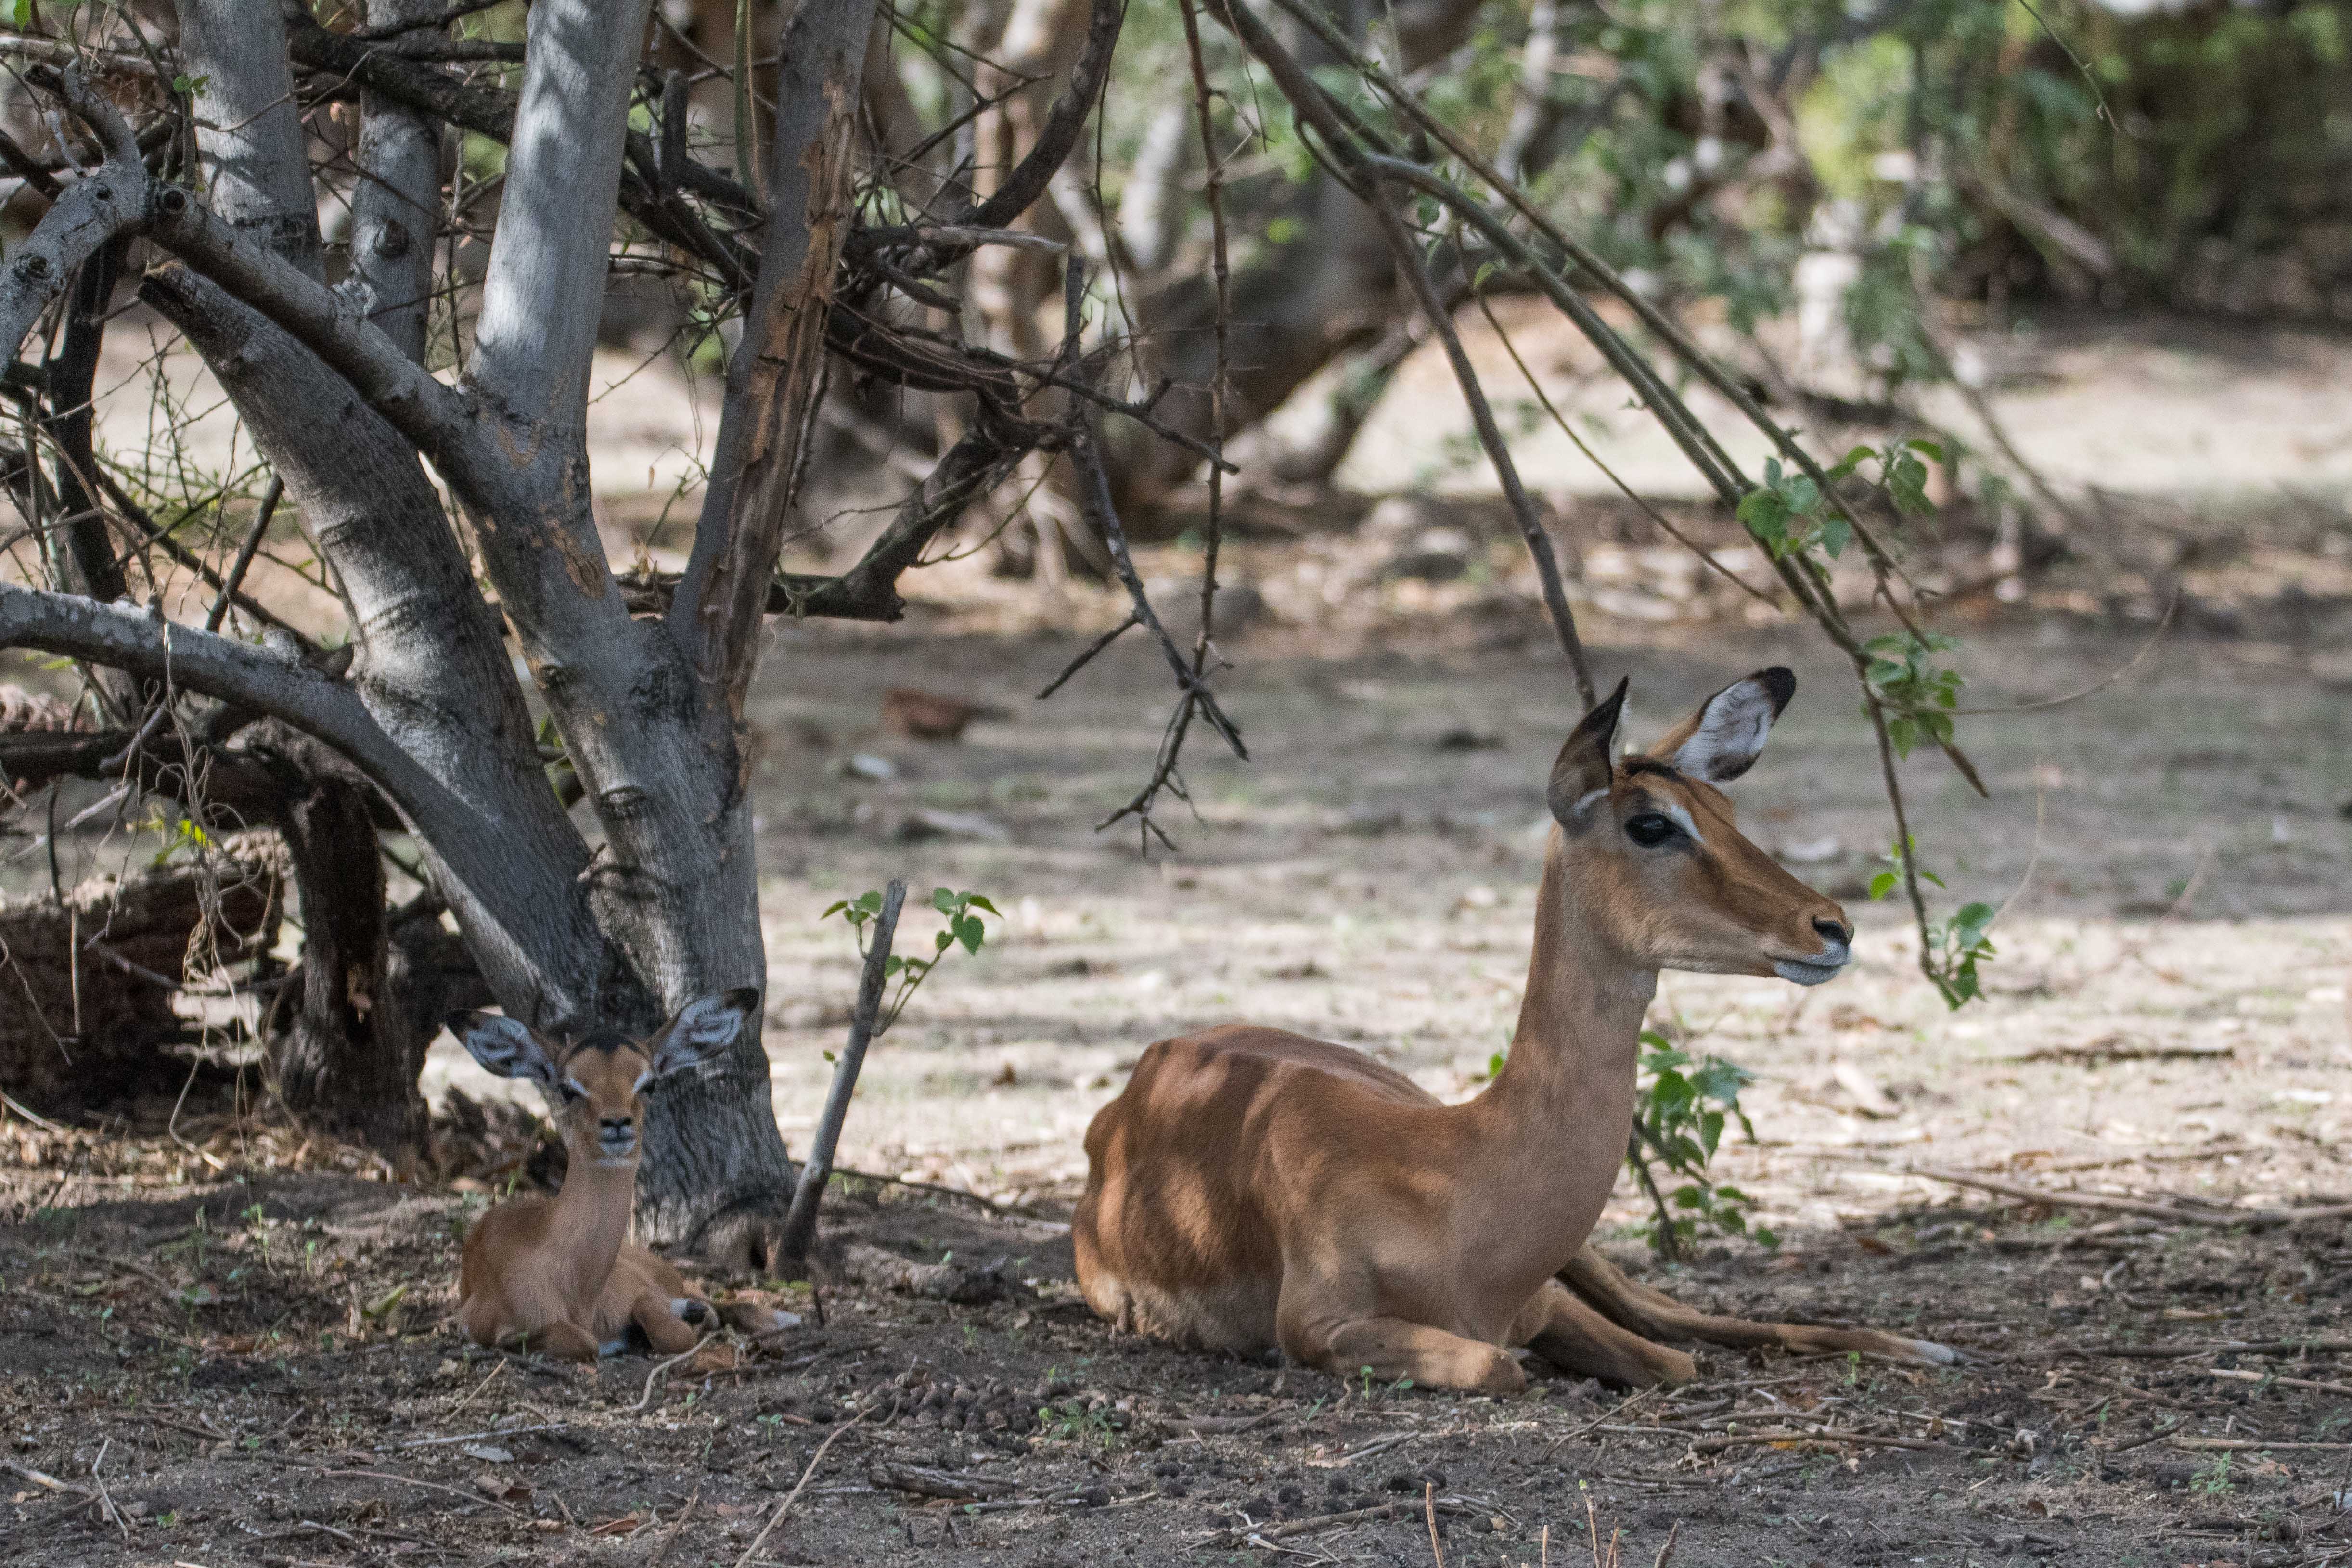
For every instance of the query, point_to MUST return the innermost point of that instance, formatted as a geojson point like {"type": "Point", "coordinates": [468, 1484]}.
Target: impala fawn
{"type": "Point", "coordinates": [558, 1275]}
{"type": "Point", "coordinates": [1253, 1188]}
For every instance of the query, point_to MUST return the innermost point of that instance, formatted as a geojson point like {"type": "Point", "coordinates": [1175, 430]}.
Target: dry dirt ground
{"type": "Point", "coordinates": [213, 1352]}
{"type": "Point", "coordinates": [254, 1364]}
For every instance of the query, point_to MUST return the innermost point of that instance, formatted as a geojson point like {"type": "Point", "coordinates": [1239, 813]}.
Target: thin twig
{"type": "Point", "coordinates": [800, 1220]}
{"type": "Point", "coordinates": [792, 1496]}
{"type": "Point", "coordinates": [245, 553]}
{"type": "Point", "coordinates": [645, 1401]}
{"type": "Point", "coordinates": [1490, 437]}
{"type": "Point", "coordinates": [2095, 687]}
{"type": "Point", "coordinates": [1222, 274]}
{"type": "Point", "coordinates": [1429, 1507]}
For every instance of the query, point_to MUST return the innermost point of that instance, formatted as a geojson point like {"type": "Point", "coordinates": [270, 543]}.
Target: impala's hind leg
{"type": "Point", "coordinates": [1656, 1315]}
{"type": "Point", "coordinates": [1566, 1330]}
{"type": "Point", "coordinates": [1391, 1348]}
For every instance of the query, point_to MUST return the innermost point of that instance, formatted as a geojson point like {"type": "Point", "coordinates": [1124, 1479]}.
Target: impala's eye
{"type": "Point", "coordinates": [571, 1089]}
{"type": "Point", "coordinates": [1650, 829]}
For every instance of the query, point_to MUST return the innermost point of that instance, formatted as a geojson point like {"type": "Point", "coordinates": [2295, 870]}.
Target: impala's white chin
{"type": "Point", "coordinates": [1803, 974]}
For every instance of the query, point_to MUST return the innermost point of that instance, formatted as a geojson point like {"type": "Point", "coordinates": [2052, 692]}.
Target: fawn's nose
{"type": "Point", "coordinates": [1837, 933]}
{"type": "Point", "coordinates": [617, 1130]}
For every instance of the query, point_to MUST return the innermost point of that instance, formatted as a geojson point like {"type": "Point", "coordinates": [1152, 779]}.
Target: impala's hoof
{"type": "Point", "coordinates": [1929, 1352]}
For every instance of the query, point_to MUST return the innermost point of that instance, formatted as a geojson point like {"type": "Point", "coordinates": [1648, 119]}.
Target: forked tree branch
{"type": "Point", "coordinates": [433, 416]}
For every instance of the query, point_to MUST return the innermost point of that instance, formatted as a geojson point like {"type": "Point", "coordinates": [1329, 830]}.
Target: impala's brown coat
{"type": "Point", "coordinates": [1253, 1189]}
{"type": "Point", "coordinates": [560, 1274]}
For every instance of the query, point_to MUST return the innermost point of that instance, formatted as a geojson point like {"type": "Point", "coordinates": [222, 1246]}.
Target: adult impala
{"type": "Point", "coordinates": [560, 1275]}
{"type": "Point", "coordinates": [1253, 1188]}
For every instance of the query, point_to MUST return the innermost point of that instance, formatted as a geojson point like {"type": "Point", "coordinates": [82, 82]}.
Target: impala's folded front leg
{"type": "Point", "coordinates": [664, 1326]}
{"type": "Point", "coordinates": [565, 1342]}
{"type": "Point", "coordinates": [1392, 1348]}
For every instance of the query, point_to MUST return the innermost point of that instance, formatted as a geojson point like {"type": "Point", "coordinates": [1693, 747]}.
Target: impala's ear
{"type": "Point", "coordinates": [1587, 763]}
{"type": "Point", "coordinates": [703, 1028]}
{"type": "Point", "coordinates": [1722, 740]}
{"type": "Point", "coordinates": [507, 1046]}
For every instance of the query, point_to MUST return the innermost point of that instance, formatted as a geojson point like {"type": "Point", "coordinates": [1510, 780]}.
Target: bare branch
{"type": "Point", "coordinates": [250, 129]}
{"type": "Point", "coordinates": [542, 294]}
{"type": "Point", "coordinates": [436, 418]}
{"type": "Point", "coordinates": [1059, 133]}
{"type": "Point", "coordinates": [396, 202]}
{"type": "Point", "coordinates": [149, 646]}
{"type": "Point", "coordinates": [1498, 452]}
{"type": "Point", "coordinates": [91, 213]}
{"type": "Point", "coordinates": [772, 376]}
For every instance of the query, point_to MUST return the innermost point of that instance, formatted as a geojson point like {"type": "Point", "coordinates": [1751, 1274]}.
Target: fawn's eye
{"type": "Point", "coordinates": [1650, 829]}
{"type": "Point", "coordinates": [572, 1090]}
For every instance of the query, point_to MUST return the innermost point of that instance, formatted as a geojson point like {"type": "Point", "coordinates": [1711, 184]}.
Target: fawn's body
{"type": "Point", "coordinates": [560, 1274]}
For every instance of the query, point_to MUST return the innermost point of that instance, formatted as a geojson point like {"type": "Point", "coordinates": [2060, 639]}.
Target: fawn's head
{"type": "Point", "coordinates": [1655, 862]}
{"type": "Point", "coordinates": [597, 1084]}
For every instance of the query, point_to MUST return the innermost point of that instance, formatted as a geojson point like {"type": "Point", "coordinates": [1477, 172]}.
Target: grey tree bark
{"type": "Point", "coordinates": [397, 202]}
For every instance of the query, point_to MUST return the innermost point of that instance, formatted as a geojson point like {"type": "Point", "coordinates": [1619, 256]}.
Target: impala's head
{"type": "Point", "coordinates": [1657, 863]}
{"type": "Point", "coordinates": [598, 1083]}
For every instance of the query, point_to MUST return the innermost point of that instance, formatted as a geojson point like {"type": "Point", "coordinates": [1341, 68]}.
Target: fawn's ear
{"type": "Point", "coordinates": [1723, 739]}
{"type": "Point", "coordinates": [507, 1046]}
{"type": "Point", "coordinates": [1586, 765]}
{"type": "Point", "coordinates": [702, 1029]}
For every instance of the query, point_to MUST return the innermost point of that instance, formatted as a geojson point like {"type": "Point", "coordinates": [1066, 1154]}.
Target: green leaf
{"type": "Point", "coordinates": [1883, 884]}
{"type": "Point", "coordinates": [968, 931]}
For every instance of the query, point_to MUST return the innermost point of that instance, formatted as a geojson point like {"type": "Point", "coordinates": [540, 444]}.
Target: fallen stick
{"type": "Point", "coordinates": [1855, 1439]}
{"type": "Point", "coordinates": [2158, 1435]}
{"type": "Point", "coordinates": [2244, 1374]}
{"type": "Point", "coordinates": [2178, 1348]}
{"type": "Point", "coordinates": [2253, 1443]}
{"type": "Point", "coordinates": [1321, 1522]}
{"type": "Point", "coordinates": [427, 1486]}
{"type": "Point", "coordinates": [792, 1496]}
{"type": "Point", "coordinates": [645, 1401]}
{"type": "Point", "coordinates": [2113, 1204]}
{"type": "Point", "coordinates": [472, 1436]}
{"type": "Point", "coordinates": [43, 1478]}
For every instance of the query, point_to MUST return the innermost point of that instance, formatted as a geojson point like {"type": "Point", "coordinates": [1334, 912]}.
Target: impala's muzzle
{"type": "Point", "coordinates": [616, 1138]}
{"type": "Point", "coordinates": [1837, 952]}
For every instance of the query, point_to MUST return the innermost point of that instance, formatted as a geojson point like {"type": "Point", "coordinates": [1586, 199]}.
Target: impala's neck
{"type": "Point", "coordinates": [1552, 1126]}
{"type": "Point", "coordinates": [592, 1220]}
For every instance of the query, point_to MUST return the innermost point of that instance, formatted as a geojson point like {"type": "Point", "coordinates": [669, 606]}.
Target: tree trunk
{"type": "Point", "coordinates": [349, 1059]}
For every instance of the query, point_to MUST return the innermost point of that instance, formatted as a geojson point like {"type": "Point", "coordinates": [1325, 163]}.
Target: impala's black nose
{"type": "Point", "coordinates": [1832, 931]}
